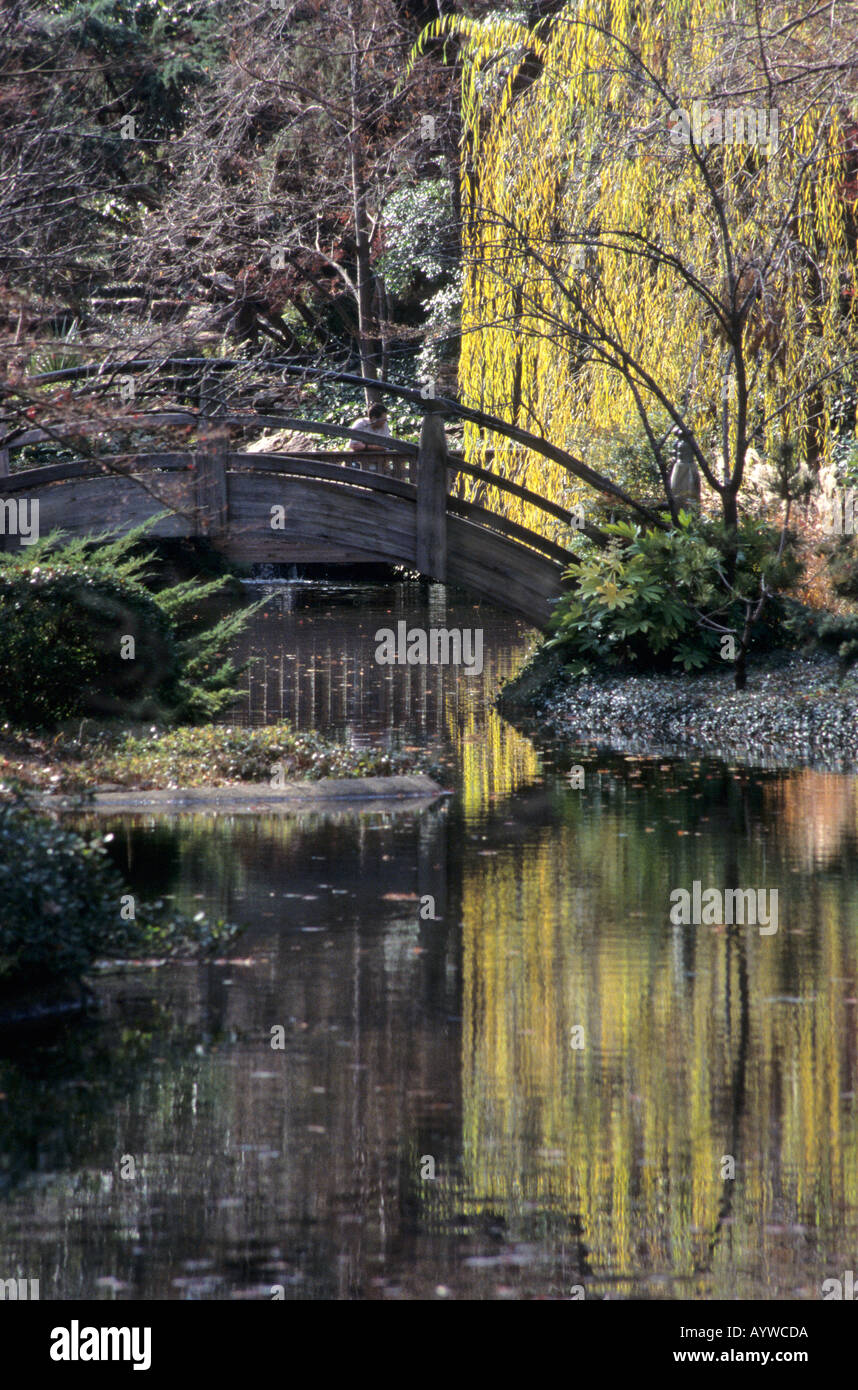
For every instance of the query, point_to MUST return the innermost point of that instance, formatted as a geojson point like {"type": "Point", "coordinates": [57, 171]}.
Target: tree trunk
{"type": "Point", "coordinates": [369, 349]}
{"type": "Point", "coordinates": [730, 512]}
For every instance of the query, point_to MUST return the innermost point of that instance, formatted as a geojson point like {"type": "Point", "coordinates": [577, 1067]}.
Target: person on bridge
{"type": "Point", "coordinates": [374, 422]}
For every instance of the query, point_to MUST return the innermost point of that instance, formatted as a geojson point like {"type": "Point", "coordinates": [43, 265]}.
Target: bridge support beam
{"type": "Point", "coordinates": [211, 498]}
{"type": "Point", "coordinates": [431, 557]}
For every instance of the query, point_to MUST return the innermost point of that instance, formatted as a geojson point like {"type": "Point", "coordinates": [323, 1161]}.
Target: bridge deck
{"type": "Point", "coordinates": [300, 510]}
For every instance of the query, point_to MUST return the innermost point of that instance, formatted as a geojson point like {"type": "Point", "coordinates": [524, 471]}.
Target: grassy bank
{"type": "Point", "coordinates": [101, 758]}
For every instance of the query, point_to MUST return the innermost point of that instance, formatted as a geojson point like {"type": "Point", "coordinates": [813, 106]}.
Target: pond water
{"type": "Point", "coordinates": [505, 1072]}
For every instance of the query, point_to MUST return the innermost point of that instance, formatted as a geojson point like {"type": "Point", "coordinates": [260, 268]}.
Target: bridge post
{"type": "Point", "coordinates": [431, 557]}
{"type": "Point", "coordinates": [211, 498]}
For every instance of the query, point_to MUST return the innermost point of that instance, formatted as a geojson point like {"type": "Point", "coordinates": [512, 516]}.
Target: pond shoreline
{"type": "Point", "coordinates": [249, 798]}
{"type": "Point", "coordinates": [796, 711]}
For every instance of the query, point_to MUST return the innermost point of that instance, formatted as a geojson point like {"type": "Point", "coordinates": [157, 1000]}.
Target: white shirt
{"type": "Point", "coordinates": [363, 423]}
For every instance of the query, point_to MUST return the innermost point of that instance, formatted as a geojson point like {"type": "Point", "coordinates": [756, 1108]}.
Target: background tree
{"type": "Point", "coordinates": [249, 202]}
{"type": "Point", "coordinates": [90, 93]}
{"type": "Point", "coordinates": [622, 282]}
{"type": "Point", "coordinates": [282, 179]}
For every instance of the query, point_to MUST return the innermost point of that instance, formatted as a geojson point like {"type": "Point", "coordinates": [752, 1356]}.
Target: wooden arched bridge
{"type": "Point", "coordinates": [304, 508]}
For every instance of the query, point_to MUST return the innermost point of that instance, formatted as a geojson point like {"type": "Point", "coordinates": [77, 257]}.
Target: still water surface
{"type": "Point", "coordinates": [581, 1075]}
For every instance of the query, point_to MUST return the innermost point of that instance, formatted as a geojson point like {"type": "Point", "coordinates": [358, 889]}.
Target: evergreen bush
{"type": "Point", "coordinates": [81, 633]}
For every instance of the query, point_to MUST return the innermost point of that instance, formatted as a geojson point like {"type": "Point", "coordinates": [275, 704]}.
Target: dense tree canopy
{"type": "Point", "coordinates": [181, 175]}
{"type": "Point", "coordinates": [649, 211]}
{"type": "Point", "coordinates": [660, 233]}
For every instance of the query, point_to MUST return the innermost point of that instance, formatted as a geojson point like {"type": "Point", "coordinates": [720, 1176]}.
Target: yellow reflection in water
{"type": "Point", "coordinates": [699, 1043]}
{"type": "Point", "coordinates": [495, 760]}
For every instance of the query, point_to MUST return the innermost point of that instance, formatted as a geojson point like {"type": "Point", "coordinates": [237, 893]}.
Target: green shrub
{"type": "Point", "coordinates": [64, 628]}
{"type": "Point", "coordinates": [61, 904]}
{"type": "Point", "coordinates": [842, 556]}
{"type": "Point", "coordinates": [67, 611]}
{"type": "Point", "coordinates": [627, 459]}
{"type": "Point", "coordinates": [840, 631]}
{"type": "Point", "coordinates": [191, 757]}
{"type": "Point", "coordinates": [646, 598]}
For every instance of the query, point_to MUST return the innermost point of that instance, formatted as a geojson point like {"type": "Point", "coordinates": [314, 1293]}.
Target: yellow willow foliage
{"type": "Point", "coordinates": [571, 180]}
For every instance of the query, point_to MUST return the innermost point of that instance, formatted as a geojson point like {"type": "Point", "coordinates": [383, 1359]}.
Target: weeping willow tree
{"type": "Point", "coordinates": [659, 242]}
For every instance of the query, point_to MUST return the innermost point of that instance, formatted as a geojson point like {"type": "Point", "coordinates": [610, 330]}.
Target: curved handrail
{"type": "Point", "coordinates": [287, 465]}
{"type": "Point", "coordinates": [162, 419]}
{"type": "Point", "coordinates": [485, 475]}
{"type": "Point", "coordinates": [112, 372]}
{"type": "Point", "coordinates": [63, 472]}
{"type": "Point", "coordinates": [304, 466]}
{"type": "Point", "coordinates": [471, 511]}
{"type": "Point", "coordinates": [151, 419]}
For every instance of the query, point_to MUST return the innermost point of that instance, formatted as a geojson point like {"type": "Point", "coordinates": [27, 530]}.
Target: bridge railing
{"type": "Point", "coordinates": [398, 462]}
{"type": "Point", "coordinates": [379, 461]}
